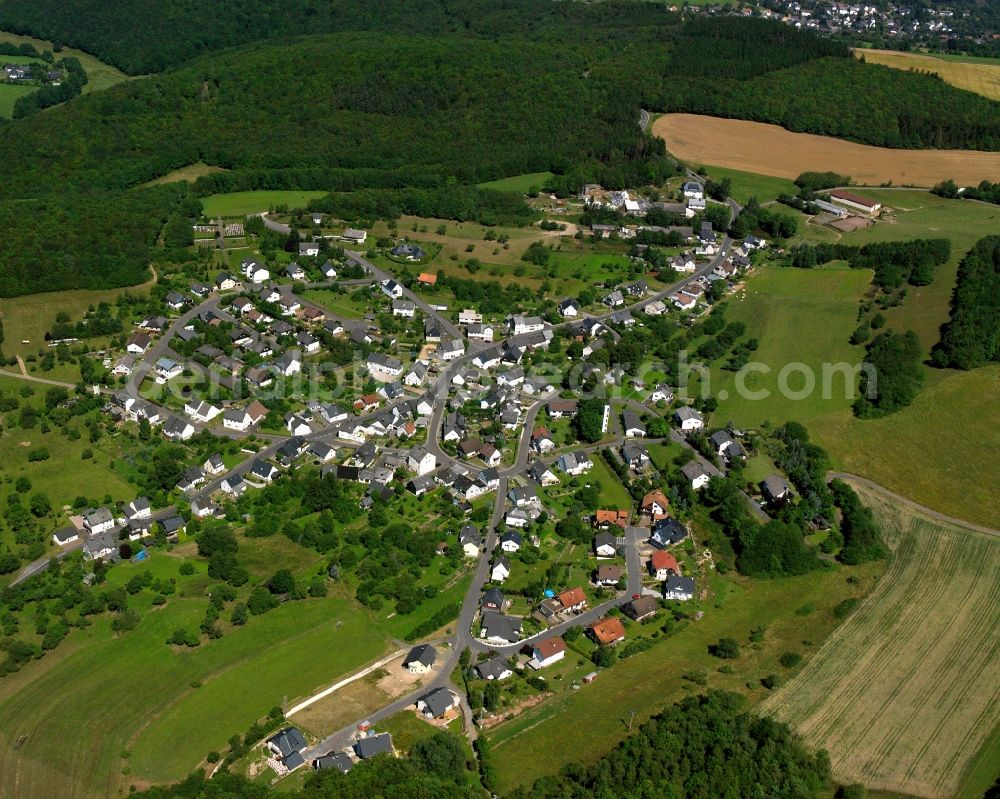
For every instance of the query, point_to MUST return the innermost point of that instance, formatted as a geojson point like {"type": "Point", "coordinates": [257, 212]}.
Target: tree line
{"type": "Point", "coordinates": [893, 262]}
{"type": "Point", "coordinates": [971, 336]}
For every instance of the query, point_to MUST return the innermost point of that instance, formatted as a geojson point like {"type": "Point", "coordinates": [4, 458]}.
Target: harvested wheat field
{"type": "Point", "coordinates": [907, 689]}
{"type": "Point", "coordinates": [982, 79]}
{"type": "Point", "coordinates": [772, 150]}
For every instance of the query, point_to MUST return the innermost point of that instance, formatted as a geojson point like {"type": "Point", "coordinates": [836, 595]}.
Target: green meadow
{"type": "Point", "coordinates": [241, 203]}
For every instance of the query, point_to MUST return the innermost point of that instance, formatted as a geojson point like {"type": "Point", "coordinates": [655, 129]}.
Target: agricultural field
{"type": "Point", "coordinates": [521, 184]}
{"type": "Point", "coordinates": [981, 76]}
{"type": "Point", "coordinates": [772, 150]}
{"type": "Point", "coordinates": [152, 712]}
{"type": "Point", "coordinates": [99, 75]}
{"type": "Point", "coordinates": [241, 203]}
{"type": "Point", "coordinates": [581, 726]}
{"type": "Point", "coordinates": [905, 692]}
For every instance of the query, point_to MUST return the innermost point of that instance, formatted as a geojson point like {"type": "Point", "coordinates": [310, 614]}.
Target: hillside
{"type": "Point", "coordinates": [560, 92]}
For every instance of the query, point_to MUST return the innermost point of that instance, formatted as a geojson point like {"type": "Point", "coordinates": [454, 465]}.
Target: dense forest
{"type": "Point", "coordinates": [893, 262]}
{"type": "Point", "coordinates": [443, 107]}
{"type": "Point", "coordinates": [971, 337]}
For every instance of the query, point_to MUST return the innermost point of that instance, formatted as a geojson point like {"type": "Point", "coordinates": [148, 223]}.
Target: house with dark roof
{"type": "Point", "coordinates": [496, 668]}
{"type": "Point", "coordinates": [679, 588]}
{"type": "Point", "coordinates": [667, 532]}
{"type": "Point", "coordinates": [372, 745]}
{"type": "Point", "coordinates": [498, 628]}
{"type": "Point", "coordinates": [421, 659]}
{"type": "Point", "coordinates": [437, 703]}
{"type": "Point", "coordinates": [640, 609]}
{"type": "Point", "coordinates": [338, 760]}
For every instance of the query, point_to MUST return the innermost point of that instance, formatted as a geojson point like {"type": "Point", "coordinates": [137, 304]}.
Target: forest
{"type": "Point", "coordinates": [893, 262]}
{"type": "Point", "coordinates": [971, 336]}
{"type": "Point", "coordinates": [447, 105]}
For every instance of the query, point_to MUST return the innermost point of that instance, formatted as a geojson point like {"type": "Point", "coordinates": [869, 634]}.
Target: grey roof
{"type": "Point", "coordinates": [604, 539]}
{"type": "Point", "coordinates": [667, 532]}
{"type": "Point", "coordinates": [292, 761]}
{"type": "Point", "coordinates": [424, 653]}
{"type": "Point", "coordinates": [287, 741]}
{"type": "Point", "coordinates": [493, 667]}
{"type": "Point", "coordinates": [100, 516]}
{"type": "Point", "coordinates": [720, 438]}
{"type": "Point", "coordinates": [631, 419]}
{"type": "Point", "coordinates": [684, 413]}
{"type": "Point", "coordinates": [774, 486]}
{"type": "Point", "coordinates": [511, 535]}
{"type": "Point", "coordinates": [681, 584]}
{"type": "Point", "coordinates": [438, 701]}
{"type": "Point", "coordinates": [337, 760]}
{"type": "Point", "coordinates": [693, 470]}
{"type": "Point", "coordinates": [497, 625]}
{"type": "Point", "coordinates": [493, 596]}
{"type": "Point", "coordinates": [373, 745]}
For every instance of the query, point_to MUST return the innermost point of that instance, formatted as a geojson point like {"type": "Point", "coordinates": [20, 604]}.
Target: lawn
{"type": "Point", "coordinates": [339, 304]}
{"type": "Point", "coordinates": [188, 174]}
{"type": "Point", "coordinates": [520, 184]}
{"type": "Point", "coordinates": [30, 317]}
{"type": "Point", "coordinates": [581, 726]}
{"type": "Point", "coordinates": [241, 203]}
{"type": "Point", "coordinates": [905, 692]}
{"type": "Point", "coordinates": [99, 74]}
{"type": "Point", "coordinates": [614, 495]}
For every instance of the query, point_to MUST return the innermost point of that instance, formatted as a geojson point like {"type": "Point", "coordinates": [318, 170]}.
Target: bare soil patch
{"type": "Point", "coordinates": [772, 150]}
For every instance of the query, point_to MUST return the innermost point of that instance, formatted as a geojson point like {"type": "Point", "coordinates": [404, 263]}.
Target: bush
{"type": "Point", "coordinates": [845, 608]}
{"type": "Point", "coordinates": [790, 659]}
{"type": "Point", "coordinates": [727, 649]}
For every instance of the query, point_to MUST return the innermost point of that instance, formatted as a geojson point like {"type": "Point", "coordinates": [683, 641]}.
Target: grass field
{"type": "Point", "coordinates": [613, 493]}
{"type": "Point", "coordinates": [749, 184]}
{"type": "Point", "coordinates": [581, 726]}
{"type": "Point", "coordinates": [134, 695]}
{"type": "Point", "coordinates": [30, 317]}
{"type": "Point", "coordinates": [772, 150]}
{"type": "Point", "coordinates": [521, 184]}
{"type": "Point", "coordinates": [99, 74]}
{"type": "Point", "coordinates": [241, 203]}
{"type": "Point", "coordinates": [799, 316]}
{"type": "Point", "coordinates": [187, 174]}
{"type": "Point", "coordinates": [11, 94]}
{"type": "Point", "coordinates": [906, 691]}
{"type": "Point", "coordinates": [979, 77]}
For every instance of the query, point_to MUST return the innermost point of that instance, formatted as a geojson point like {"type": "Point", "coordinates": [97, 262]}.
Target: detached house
{"type": "Point", "coordinates": [689, 419]}
{"type": "Point", "coordinates": [254, 271]}
{"type": "Point", "coordinates": [421, 659]}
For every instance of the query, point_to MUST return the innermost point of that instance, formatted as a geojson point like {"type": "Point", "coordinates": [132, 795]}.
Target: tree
{"type": "Point", "coordinates": [281, 582]}
{"type": "Point", "coordinates": [491, 695]}
{"type": "Point", "coordinates": [589, 420]}
{"type": "Point", "coordinates": [261, 601]}
{"type": "Point", "coordinates": [727, 649]}
{"type": "Point", "coordinates": [441, 754]}
{"type": "Point", "coordinates": [40, 504]}
{"type": "Point", "coordinates": [240, 614]}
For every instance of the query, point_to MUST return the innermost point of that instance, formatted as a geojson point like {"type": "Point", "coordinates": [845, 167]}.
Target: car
{"type": "Point", "coordinates": [636, 596]}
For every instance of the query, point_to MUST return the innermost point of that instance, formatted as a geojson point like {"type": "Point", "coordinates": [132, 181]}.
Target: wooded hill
{"type": "Point", "coordinates": [414, 119]}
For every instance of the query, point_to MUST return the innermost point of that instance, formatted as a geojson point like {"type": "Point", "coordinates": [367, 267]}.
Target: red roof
{"type": "Point", "coordinates": [549, 647]}
{"type": "Point", "coordinates": [572, 597]}
{"type": "Point", "coordinates": [428, 278]}
{"type": "Point", "coordinates": [608, 631]}
{"type": "Point", "coordinates": [655, 496]}
{"type": "Point", "coordinates": [664, 560]}
{"type": "Point", "coordinates": [619, 517]}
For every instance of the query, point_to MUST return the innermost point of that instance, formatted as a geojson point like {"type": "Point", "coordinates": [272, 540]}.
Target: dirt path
{"type": "Point", "coordinates": [909, 503]}
{"type": "Point", "coordinates": [346, 681]}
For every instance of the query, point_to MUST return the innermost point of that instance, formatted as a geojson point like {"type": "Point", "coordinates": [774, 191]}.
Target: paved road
{"type": "Point", "coordinates": [42, 564]}
{"type": "Point", "coordinates": [909, 503]}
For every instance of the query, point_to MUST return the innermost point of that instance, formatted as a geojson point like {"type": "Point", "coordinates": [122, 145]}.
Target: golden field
{"type": "Point", "coordinates": [982, 79]}
{"type": "Point", "coordinates": [772, 150]}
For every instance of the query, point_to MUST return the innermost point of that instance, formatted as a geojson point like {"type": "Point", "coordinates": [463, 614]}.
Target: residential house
{"type": "Point", "coordinates": [354, 235]}
{"type": "Point", "coordinates": [309, 249]}
{"type": "Point", "coordinates": [500, 570]}
{"type": "Point", "coordinates": [575, 463]}
{"type": "Point", "coordinates": [614, 299]}
{"type": "Point", "coordinates": [391, 289]}
{"type": "Point", "coordinates": [372, 745]}
{"type": "Point", "coordinates": [662, 393]}
{"type": "Point", "coordinates": [297, 425]}
{"type": "Point", "coordinates": [696, 473]}
{"type": "Point", "coordinates": [437, 703]}
{"type": "Point", "coordinates": [654, 504]}
{"type": "Point", "coordinates": [679, 588]}
{"type": "Point", "coordinates": [510, 541]}
{"type": "Point", "coordinates": [138, 508]}
{"type": "Point", "coordinates": [234, 485]}
{"type": "Point", "coordinates": [417, 374]}
{"type": "Point", "coordinates": [469, 539]}
{"type": "Point", "coordinates": [177, 429]}
{"type": "Point", "coordinates": [404, 308]}
{"type": "Point", "coordinates": [541, 440]}
{"type": "Point", "coordinates": [520, 325]}
{"type": "Point", "coordinates": [480, 332]}
{"type": "Point", "coordinates": [604, 519]}
{"type": "Point", "coordinates": [340, 761]}
{"type": "Point", "coordinates": [289, 363]}
{"type": "Point", "coordinates": [499, 629]}
{"type": "Point", "coordinates": [496, 668]}
{"type": "Point", "coordinates": [263, 471]}
{"type": "Point", "coordinates": [547, 652]}
{"type": "Point", "coordinates": [569, 308]}
{"type": "Point", "coordinates": [201, 411]}
{"type": "Point", "coordinates": [608, 631]}
{"type": "Point", "coordinates": [667, 532]}
{"type": "Point", "coordinates": [421, 659]}
{"type": "Point", "coordinates": [517, 518]}
{"type": "Point", "coordinates": [634, 428]}
{"type": "Point", "coordinates": [721, 441]}
{"type": "Point", "coordinates": [689, 419]}
{"type": "Point", "coordinates": [662, 564]}
{"type": "Point", "coordinates": [254, 271]}
{"type": "Point", "coordinates": [542, 474]}
{"type": "Point", "coordinates": [493, 599]}
{"type": "Point", "coordinates": [573, 600]}
{"type": "Point", "coordinates": [774, 490]}
{"type": "Point", "coordinates": [451, 349]}
{"type": "Point", "coordinates": [381, 365]}
{"type": "Point", "coordinates": [640, 609]}
{"type": "Point", "coordinates": [608, 575]}
{"type": "Point", "coordinates": [138, 343]}
{"type": "Point", "coordinates": [101, 546]}
{"type": "Point", "coordinates": [605, 545]}
{"type": "Point", "coordinates": [411, 252]}
{"type": "Point", "coordinates": [421, 461]}
{"type": "Point", "coordinates": [98, 521]}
